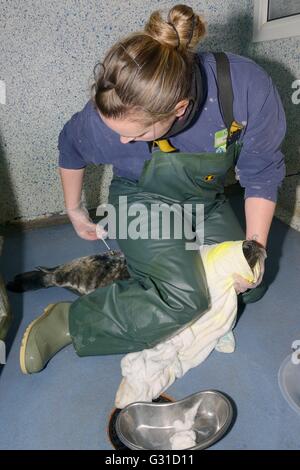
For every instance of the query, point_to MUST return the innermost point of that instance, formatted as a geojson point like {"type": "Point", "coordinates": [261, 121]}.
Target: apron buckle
{"type": "Point", "coordinates": [234, 132]}
{"type": "Point", "coordinates": [209, 177]}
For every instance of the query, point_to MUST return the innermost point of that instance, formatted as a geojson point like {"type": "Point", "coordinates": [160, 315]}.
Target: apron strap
{"type": "Point", "coordinates": [225, 92]}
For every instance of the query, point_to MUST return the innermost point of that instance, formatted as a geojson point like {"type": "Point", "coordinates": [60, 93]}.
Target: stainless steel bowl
{"type": "Point", "coordinates": [149, 426]}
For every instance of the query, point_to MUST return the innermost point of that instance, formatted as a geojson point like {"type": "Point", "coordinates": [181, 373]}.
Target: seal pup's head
{"type": "Point", "coordinates": [253, 252]}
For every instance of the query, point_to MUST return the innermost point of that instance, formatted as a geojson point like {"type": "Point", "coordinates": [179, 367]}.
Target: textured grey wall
{"type": "Point", "coordinates": [48, 50]}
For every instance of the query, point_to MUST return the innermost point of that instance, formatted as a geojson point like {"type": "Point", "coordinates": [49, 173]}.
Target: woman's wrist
{"type": "Point", "coordinates": [259, 214]}
{"type": "Point", "coordinates": [80, 206]}
{"type": "Point", "coordinates": [78, 213]}
{"type": "Point", "coordinates": [74, 207]}
{"type": "Point", "coordinates": [262, 241]}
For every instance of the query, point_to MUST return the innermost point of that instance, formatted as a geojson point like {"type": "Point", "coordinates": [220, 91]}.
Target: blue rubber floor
{"type": "Point", "coordinates": [68, 404]}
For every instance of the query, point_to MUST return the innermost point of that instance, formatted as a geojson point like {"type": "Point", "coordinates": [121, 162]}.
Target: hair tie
{"type": "Point", "coordinates": [178, 38]}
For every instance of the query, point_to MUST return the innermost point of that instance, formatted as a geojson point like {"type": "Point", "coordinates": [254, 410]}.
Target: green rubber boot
{"type": "Point", "coordinates": [44, 337]}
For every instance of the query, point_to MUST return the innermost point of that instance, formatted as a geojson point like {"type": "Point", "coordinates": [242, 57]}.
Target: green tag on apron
{"type": "Point", "coordinates": [221, 138]}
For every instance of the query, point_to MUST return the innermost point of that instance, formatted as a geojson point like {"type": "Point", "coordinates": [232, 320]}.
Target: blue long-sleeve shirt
{"type": "Point", "coordinates": [260, 168]}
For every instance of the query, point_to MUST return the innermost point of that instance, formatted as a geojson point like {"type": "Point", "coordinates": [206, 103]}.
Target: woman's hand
{"type": "Point", "coordinates": [83, 225]}
{"type": "Point", "coordinates": [259, 214]}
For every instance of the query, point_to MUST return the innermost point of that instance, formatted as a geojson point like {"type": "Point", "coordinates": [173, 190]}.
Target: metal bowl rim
{"type": "Point", "coordinates": [205, 444]}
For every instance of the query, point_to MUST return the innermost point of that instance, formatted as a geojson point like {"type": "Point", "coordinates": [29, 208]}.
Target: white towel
{"type": "Point", "coordinates": [147, 373]}
{"type": "Point", "coordinates": [184, 436]}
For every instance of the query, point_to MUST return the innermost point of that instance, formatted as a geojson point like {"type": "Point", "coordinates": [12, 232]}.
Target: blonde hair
{"type": "Point", "coordinates": [145, 75]}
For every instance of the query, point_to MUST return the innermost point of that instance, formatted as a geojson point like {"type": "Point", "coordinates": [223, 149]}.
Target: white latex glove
{"type": "Point", "coordinates": [83, 225]}
{"type": "Point", "coordinates": [241, 284]}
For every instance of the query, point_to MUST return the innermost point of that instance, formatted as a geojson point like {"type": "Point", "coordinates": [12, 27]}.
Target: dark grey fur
{"type": "Point", "coordinates": [84, 275]}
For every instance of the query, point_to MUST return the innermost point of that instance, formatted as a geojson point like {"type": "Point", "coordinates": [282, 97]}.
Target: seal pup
{"type": "Point", "coordinates": [81, 275]}
{"type": "Point", "coordinates": [84, 275]}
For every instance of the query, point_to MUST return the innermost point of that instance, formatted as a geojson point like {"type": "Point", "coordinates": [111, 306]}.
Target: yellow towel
{"type": "Point", "coordinates": [147, 373]}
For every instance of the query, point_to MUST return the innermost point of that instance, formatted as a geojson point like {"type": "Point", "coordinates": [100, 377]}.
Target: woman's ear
{"type": "Point", "coordinates": [180, 108]}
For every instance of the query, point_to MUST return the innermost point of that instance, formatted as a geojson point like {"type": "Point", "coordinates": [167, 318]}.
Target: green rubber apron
{"type": "Point", "coordinates": [167, 289]}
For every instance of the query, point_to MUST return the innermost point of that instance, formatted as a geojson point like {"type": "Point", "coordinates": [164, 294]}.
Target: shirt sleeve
{"type": "Point", "coordinates": [260, 168]}
{"type": "Point", "coordinates": [69, 156]}
{"type": "Point", "coordinates": [74, 142]}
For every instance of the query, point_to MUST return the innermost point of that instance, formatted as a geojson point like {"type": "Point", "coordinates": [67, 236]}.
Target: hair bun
{"type": "Point", "coordinates": [181, 28]}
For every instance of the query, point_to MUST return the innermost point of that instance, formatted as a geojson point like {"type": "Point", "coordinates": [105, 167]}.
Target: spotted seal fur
{"type": "Point", "coordinates": [84, 275]}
